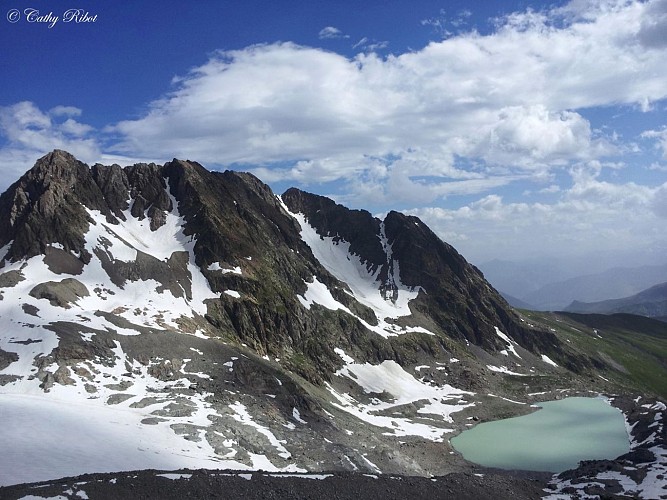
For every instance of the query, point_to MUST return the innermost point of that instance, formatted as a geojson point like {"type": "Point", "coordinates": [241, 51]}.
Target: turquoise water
{"type": "Point", "coordinates": [552, 439]}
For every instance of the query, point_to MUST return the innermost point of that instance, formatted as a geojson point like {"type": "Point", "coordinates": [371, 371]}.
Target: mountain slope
{"type": "Point", "coordinates": [204, 313]}
{"type": "Point", "coordinates": [651, 303]}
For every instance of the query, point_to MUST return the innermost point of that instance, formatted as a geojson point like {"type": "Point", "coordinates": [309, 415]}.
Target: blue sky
{"type": "Point", "coordinates": [517, 130]}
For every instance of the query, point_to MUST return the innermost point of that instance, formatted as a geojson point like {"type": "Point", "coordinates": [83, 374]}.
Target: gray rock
{"type": "Point", "coordinates": [61, 293]}
{"type": "Point", "coordinates": [11, 278]}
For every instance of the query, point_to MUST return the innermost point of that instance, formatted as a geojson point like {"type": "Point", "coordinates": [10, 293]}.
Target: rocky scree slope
{"type": "Point", "coordinates": [284, 333]}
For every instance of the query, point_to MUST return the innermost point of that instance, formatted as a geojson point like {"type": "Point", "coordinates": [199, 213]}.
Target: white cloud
{"type": "Point", "coordinates": [30, 133]}
{"type": "Point", "coordinates": [592, 216]}
{"type": "Point", "coordinates": [660, 137]}
{"type": "Point", "coordinates": [554, 188]}
{"type": "Point", "coordinates": [65, 111]}
{"type": "Point", "coordinates": [507, 101]}
{"type": "Point", "coordinates": [330, 32]}
{"type": "Point", "coordinates": [657, 167]}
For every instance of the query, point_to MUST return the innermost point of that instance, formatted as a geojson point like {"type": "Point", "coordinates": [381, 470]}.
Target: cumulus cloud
{"type": "Point", "coordinates": [507, 100]}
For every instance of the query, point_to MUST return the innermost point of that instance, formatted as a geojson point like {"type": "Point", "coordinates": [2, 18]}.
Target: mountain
{"type": "Point", "coordinates": [517, 303]}
{"type": "Point", "coordinates": [518, 279]}
{"type": "Point", "coordinates": [171, 317]}
{"type": "Point", "coordinates": [552, 285]}
{"type": "Point", "coordinates": [651, 303]}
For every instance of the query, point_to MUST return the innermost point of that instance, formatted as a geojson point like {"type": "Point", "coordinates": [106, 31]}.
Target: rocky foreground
{"type": "Point", "coordinates": [641, 473]}
{"type": "Point", "coordinates": [259, 485]}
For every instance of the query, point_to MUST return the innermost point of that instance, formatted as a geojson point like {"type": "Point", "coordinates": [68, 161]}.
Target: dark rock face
{"type": "Point", "coordinates": [46, 206]}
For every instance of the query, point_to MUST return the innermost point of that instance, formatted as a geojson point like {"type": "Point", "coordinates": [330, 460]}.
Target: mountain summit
{"type": "Point", "coordinates": [250, 330]}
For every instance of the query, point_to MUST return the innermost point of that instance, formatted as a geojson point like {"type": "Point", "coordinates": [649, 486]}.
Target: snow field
{"type": "Point", "coordinates": [436, 403]}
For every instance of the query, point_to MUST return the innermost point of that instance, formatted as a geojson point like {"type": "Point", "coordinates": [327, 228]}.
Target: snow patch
{"type": "Point", "coordinates": [548, 360]}
{"type": "Point", "coordinates": [504, 369]}
{"type": "Point", "coordinates": [510, 343]}
{"type": "Point", "coordinates": [224, 270]}
{"type": "Point", "coordinates": [297, 416]}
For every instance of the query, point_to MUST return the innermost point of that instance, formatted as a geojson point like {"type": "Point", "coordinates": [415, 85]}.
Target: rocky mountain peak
{"type": "Point", "coordinates": [45, 206]}
{"type": "Point", "coordinates": [234, 221]}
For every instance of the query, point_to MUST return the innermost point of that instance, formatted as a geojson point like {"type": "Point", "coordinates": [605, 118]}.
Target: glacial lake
{"type": "Point", "coordinates": [552, 439]}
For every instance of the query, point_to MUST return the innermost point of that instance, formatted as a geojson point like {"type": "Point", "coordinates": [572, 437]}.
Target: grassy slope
{"type": "Point", "coordinates": [636, 347]}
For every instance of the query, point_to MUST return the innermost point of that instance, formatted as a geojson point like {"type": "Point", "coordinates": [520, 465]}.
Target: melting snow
{"type": "Point", "coordinates": [297, 416]}
{"type": "Point", "coordinates": [120, 242]}
{"type": "Point", "coordinates": [225, 270]}
{"type": "Point", "coordinates": [242, 415]}
{"type": "Point", "coordinates": [504, 369]}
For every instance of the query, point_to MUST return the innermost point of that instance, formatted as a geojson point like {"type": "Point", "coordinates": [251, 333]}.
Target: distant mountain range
{"type": "Point", "coordinates": [651, 303]}
{"type": "Point", "coordinates": [614, 283]}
